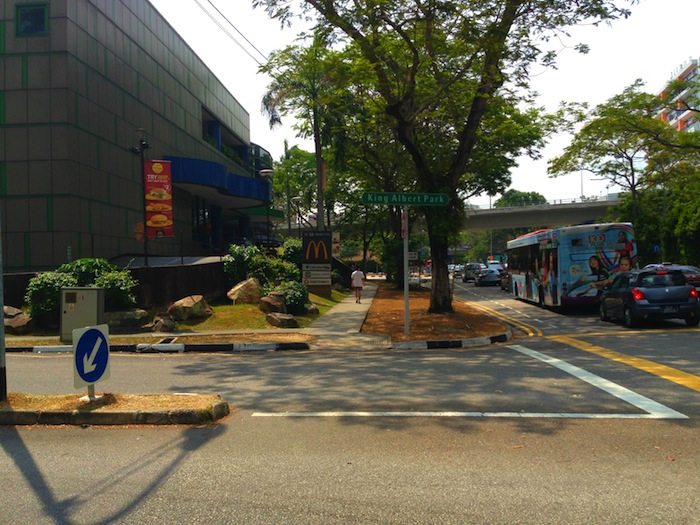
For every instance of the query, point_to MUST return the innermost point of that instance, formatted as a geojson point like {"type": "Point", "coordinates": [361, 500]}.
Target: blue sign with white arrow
{"type": "Point", "coordinates": [90, 355]}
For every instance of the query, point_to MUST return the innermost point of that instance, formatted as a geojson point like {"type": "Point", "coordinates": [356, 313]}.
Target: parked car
{"type": "Point", "coordinates": [471, 271]}
{"type": "Point", "coordinates": [692, 273]}
{"type": "Point", "coordinates": [488, 277]}
{"type": "Point", "coordinates": [641, 295]}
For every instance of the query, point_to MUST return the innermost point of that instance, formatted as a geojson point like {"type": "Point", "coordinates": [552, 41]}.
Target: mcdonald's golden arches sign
{"type": "Point", "coordinates": [317, 247]}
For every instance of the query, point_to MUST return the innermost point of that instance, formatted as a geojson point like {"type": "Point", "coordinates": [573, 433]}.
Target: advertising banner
{"type": "Point", "coordinates": [159, 199]}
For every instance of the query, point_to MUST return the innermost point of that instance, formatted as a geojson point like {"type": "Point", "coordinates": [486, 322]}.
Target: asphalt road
{"type": "Point", "coordinates": [579, 422]}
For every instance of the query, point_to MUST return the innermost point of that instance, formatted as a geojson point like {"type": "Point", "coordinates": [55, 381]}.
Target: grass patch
{"type": "Point", "coordinates": [226, 317]}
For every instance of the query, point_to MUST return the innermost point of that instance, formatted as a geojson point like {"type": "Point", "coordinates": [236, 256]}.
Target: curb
{"type": "Point", "coordinates": [455, 343]}
{"type": "Point", "coordinates": [268, 347]}
{"type": "Point", "coordinates": [174, 348]}
{"type": "Point", "coordinates": [114, 417]}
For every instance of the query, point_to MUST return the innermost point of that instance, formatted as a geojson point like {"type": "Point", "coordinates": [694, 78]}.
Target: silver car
{"type": "Point", "coordinates": [488, 277]}
{"type": "Point", "coordinates": [471, 271]}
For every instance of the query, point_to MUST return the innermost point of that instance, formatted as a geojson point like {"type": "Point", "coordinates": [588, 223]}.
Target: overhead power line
{"type": "Point", "coordinates": [245, 50]}
{"type": "Point", "coordinates": [238, 31]}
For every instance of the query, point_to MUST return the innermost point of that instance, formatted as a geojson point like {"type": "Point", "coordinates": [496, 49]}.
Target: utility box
{"type": "Point", "coordinates": [81, 307]}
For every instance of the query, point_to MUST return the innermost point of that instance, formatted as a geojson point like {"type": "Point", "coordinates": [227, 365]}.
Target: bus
{"type": "Point", "coordinates": [569, 266]}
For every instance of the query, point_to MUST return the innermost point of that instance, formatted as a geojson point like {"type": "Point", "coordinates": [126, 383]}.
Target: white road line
{"type": "Point", "coordinates": [652, 409]}
{"type": "Point", "coordinates": [650, 406]}
{"type": "Point", "coordinates": [561, 415]}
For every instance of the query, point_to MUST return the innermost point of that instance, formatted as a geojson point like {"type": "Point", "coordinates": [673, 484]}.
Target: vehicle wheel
{"type": "Point", "coordinates": [630, 320]}
{"type": "Point", "coordinates": [693, 321]}
{"type": "Point", "coordinates": [603, 312]}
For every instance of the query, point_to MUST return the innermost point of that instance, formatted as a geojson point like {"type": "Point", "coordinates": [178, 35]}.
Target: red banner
{"type": "Point", "coordinates": [159, 199]}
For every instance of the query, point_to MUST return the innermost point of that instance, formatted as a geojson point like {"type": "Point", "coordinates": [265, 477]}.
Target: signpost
{"type": "Point", "coordinates": [405, 200]}
{"type": "Point", "coordinates": [90, 356]}
{"type": "Point", "coordinates": [317, 261]}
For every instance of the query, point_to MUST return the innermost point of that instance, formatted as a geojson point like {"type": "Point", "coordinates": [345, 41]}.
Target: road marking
{"type": "Point", "coordinates": [666, 372]}
{"type": "Point", "coordinates": [560, 415]}
{"type": "Point", "coordinates": [633, 398]}
{"type": "Point", "coordinates": [529, 329]}
{"type": "Point", "coordinates": [651, 408]}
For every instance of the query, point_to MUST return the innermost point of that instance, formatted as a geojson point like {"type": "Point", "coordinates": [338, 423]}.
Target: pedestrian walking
{"type": "Point", "coordinates": [358, 282]}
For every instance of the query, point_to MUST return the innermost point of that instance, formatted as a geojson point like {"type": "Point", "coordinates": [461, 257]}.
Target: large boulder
{"type": "Point", "coordinates": [191, 307]}
{"type": "Point", "coordinates": [245, 292]}
{"type": "Point", "coordinates": [311, 309]}
{"type": "Point", "coordinates": [16, 321]}
{"type": "Point", "coordinates": [282, 320]}
{"type": "Point", "coordinates": [273, 303]}
{"type": "Point", "coordinates": [163, 323]}
{"type": "Point", "coordinates": [134, 318]}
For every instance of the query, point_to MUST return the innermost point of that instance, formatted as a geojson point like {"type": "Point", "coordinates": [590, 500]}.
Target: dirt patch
{"type": "Point", "coordinates": [386, 317]}
{"type": "Point", "coordinates": [112, 402]}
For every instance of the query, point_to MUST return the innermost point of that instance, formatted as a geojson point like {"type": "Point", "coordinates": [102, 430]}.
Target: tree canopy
{"type": "Point", "coordinates": [451, 76]}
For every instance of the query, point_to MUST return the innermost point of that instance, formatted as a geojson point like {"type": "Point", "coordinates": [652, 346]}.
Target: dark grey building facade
{"type": "Point", "coordinates": [78, 79]}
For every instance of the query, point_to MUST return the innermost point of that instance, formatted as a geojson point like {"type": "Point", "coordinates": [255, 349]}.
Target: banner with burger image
{"type": "Point", "coordinates": [159, 199]}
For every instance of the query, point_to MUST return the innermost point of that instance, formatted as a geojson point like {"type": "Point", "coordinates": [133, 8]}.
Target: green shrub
{"type": "Point", "coordinates": [43, 294]}
{"type": "Point", "coordinates": [272, 271]}
{"type": "Point", "coordinates": [336, 278]}
{"type": "Point", "coordinates": [296, 296]}
{"type": "Point", "coordinates": [119, 286]}
{"type": "Point", "coordinates": [292, 252]}
{"type": "Point", "coordinates": [86, 270]}
{"type": "Point", "coordinates": [237, 262]}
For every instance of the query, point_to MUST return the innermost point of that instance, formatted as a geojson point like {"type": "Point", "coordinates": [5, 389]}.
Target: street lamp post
{"type": "Point", "coordinates": [267, 175]}
{"type": "Point", "coordinates": [296, 201]}
{"type": "Point", "coordinates": [139, 150]}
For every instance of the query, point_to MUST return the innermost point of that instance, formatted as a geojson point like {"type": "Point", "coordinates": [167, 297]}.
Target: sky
{"type": "Point", "coordinates": [652, 44]}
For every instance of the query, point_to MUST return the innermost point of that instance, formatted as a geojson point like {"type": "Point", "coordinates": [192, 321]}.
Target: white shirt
{"type": "Point", "coordinates": [357, 278]}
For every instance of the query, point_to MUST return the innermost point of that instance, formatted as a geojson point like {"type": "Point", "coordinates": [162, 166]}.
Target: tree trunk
{"type": "Point", "coordinates": [440, 293]}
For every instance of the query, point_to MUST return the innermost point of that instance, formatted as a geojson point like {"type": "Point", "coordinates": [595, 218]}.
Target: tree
{"type": "Point", "coordinates": [295, 177]}
{"type": "Point", "coordinates": [512, 198]}
{"type": "Point", "coordinates": [447, 73]}
{"type": "Point", "coordinates": [610, 145]}
{"type": "Point", "coordinates": [299, 85]}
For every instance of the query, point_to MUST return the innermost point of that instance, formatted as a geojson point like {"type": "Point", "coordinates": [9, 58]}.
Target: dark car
{"type": "Point", "coordinates": [650, 294]}
{"type": "Point", "coordinates": [692, 273]}
{"type": "Point", "coordinates": [488, 277]}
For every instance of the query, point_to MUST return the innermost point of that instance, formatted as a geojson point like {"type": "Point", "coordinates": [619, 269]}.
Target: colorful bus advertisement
{"type": "Point", "coordinates": [569, 266]}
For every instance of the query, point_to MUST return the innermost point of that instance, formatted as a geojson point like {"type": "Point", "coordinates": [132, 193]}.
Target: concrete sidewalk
{"type": "Point", "coordinates": [339, 328]}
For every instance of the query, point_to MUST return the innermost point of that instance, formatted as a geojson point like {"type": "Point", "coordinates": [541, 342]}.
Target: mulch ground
{"type": "Point", "coordinates": [386, 317]}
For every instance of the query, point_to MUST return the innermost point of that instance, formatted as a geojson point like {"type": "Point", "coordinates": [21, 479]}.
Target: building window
{"type": "Point", "coordinates": [32, 20]}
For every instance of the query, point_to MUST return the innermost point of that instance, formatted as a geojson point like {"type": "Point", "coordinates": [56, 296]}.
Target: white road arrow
{"type": "Point", "coordinates": [89, 359]}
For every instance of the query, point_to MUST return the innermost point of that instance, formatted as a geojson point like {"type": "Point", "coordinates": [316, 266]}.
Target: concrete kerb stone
{"type": "Point", "coordinates": [175, 348]}
{"type": "Point", "coordinates": [325, 342]}
{"type": "Point", "coordinates": [455, 343]}
{"type": "Point", "coordinates": [116, 417]}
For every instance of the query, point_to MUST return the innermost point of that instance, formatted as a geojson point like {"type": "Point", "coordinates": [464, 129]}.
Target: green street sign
{"type": "Point", "coordinates": [405, 199]}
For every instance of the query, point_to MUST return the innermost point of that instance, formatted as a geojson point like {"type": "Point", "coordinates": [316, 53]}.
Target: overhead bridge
{"type": "Point", "coordinates": [552, 214]}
